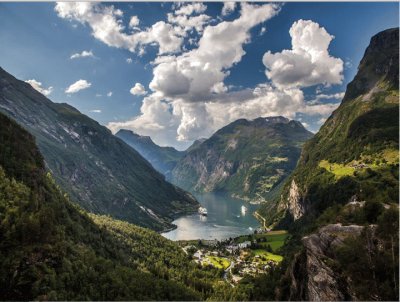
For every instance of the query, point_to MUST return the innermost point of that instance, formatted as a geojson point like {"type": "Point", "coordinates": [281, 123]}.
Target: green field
{"type": "Point", "coordinates": [267, 256]}
{"type": "Point", "coordinates": [338, 169]}
{"type": "Point", "coordinates": [275, 239]}
{"type": "Point", "coordinates": [379, 160]}
{"type": "Point", "coordinates": [219, 262]}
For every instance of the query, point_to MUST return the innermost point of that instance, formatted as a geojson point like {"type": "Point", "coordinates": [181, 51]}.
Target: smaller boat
{"type": "Point", "coordinates": [203, 211]}
{"type": "Point", "coordinates": [244, 210]}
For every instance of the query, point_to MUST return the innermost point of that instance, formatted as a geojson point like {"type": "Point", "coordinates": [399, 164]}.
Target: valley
{"type": "Point", "coordinates": [206, 183]}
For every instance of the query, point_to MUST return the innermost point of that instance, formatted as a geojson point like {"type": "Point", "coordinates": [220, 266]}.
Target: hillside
{"type": "Point", "coordinates": [163, 159]}
{"type": "Point", "coordinates": [355, 153]}
{"type": "Point", "coordinates": [341, 204]}
{"type": "Point", "coordinates": [247, 159]}
{"type": "Point", "coordinates": [50, 249]}
{"type": "Point", "coordinates": [99, 171]}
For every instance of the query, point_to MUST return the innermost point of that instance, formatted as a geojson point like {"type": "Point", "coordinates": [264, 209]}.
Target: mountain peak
{"type": "Point", "coordinates": [379, 64]}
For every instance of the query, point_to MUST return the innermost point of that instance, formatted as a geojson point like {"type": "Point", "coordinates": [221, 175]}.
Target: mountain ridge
{"type": "Point", "coordinates": [246, 158]}
{"type": "Point", "coordinates": [163, 159]}
{"type": "Point", "coordinates": [102, 173]}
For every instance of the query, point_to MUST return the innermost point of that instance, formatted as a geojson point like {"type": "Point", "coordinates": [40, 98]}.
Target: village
{"type": "Point", "coordinates": [245, 255]}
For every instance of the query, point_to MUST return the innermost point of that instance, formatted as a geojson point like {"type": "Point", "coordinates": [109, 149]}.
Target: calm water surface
{"type": "Point", "coordinates": [225, 219]}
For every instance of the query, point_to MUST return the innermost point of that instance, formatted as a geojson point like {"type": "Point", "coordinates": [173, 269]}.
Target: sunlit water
{"type": "Point", "coordinates": [225, 219]}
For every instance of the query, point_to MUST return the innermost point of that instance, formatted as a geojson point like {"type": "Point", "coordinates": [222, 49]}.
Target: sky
{"type": "Point", "coordinates": [180, 71]}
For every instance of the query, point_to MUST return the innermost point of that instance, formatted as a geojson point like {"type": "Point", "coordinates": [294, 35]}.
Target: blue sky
{"type": "Point", "coordinates": [197, 69]}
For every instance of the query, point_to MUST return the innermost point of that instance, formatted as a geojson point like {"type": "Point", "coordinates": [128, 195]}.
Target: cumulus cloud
{"type": "Point", "coordinates": [192, 8]}
{"type": "Point", "coordinates": [308, 62]}
{"type": "Point", "coordinates": [38, 86]}
{"type": "Point", "coordinates": [107, 26]}
{"type": "Point", "coordinates": [228, 8]}
{"type": "Point", "coordinates": [195, 74]}
{"type": "Point", "coordinates": [83, 54]}
{"type": "Point", "coordinates": [129, 60]}
{"type": "Point", "coordinates": [78, 86]}
{"type": "Point", "coordinates": [138, 89]}
{"type": "Point", "coordinates": [109, 94]}
{"type": "Point", "coordinates": [134, 22]}
{"type": "Point", "coordinates": [189, 98]}
{"type": "Point", "coordinates": [187, 23]}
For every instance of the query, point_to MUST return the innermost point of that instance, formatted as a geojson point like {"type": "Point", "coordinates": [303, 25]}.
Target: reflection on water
{"type": "Point", "coordinates": [227, 217]}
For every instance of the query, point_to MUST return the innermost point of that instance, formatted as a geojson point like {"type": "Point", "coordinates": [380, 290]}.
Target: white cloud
{"type": "Point", "coordinates": [338, 96]}
{"type": "Point", "coordinates": [77, 86]}
{"type": "Point", "coordinates": [187, 23]}
{"type": "Point", "coordinates": [107, 26]}
{"type": "Point", "coordinates": [194, 74]}
{"type": "Point", "coordinates": [96, 111]}
{"type": "Point", "coordinates": [129, 60]}
{"type": "Point", "coordinates": [109, 94]}
{"type": "Point", "coordinates": [38, 86]}
{"type": "Point", "coordinates": [308, 62]}
{"type": "Point", "coordinates": [138, 89]}
{"type": "Point", "coordinates": [134, 22]}
{"type": "Point", "coordinates": [83, 54]}
{"type": "Point", "coordinates": [189, 9]}
{"type": "Point", "coordinates": [189, 98]}
{"type": "Point", "coordinates": [228, 8]}
{"type": "Point", "coordinates": [263, 30]}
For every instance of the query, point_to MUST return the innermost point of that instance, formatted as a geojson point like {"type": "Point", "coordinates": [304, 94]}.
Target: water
{"type": "Point", "coordinates": [225, 219]}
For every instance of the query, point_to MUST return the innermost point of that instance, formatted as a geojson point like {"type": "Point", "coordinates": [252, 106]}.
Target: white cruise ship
{"type": "Point", "coordinates": [203, 211]}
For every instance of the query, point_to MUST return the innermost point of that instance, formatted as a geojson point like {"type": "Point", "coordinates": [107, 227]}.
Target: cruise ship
{"type": "Point", "coordinates": [203, 211]}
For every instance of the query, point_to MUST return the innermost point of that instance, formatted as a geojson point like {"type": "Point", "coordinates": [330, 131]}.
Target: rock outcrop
{"type": "Point", "coordinates": [312, 276]}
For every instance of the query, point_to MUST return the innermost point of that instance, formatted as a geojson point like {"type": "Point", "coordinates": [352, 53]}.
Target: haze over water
{"type": "Point", "coordinates": [225, 219]}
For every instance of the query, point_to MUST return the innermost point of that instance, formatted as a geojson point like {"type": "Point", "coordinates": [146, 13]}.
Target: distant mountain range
{"type": "Point", "coordinates": [247, 159]}
{"type": "Point", "coordinates": [98, 170]}
{"type": "Point", "coordinates": [163, 159]}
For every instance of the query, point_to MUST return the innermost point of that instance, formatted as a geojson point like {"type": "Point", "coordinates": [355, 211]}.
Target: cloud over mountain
{"type": "Point", "coordinates": [78, 86]}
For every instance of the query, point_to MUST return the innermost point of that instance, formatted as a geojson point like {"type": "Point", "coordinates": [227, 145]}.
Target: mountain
{"type": "Point", "coordinates": [98, 170]}
{"type": "Point", "coordinates": [247, 159]}
{"type": "Point", "coordinates": [163, 159]}
{"type": "Point", "coordinates": [50, 249]}
{"type": "Point", "coordinates": [195, 144]}
{"type": "Point", "coordinates": [355, 153]}
{"type": "Point", "coordinates": [341, 204]}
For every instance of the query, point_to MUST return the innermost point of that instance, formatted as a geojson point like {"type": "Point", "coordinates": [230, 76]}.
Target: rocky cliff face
{"type": "Point", "coordinates": [247, 159]}
{"type": "Point", "coordinates": [295, 202]}
{"type": "Point", "coordinates": [313, 277]}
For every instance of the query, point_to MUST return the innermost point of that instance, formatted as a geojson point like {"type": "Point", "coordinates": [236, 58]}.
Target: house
{"type": "Point", "coordinates": [198, 255]}
{"type": "Point", "coordinates": [244, 244]}
{"type": "Point", "coordinates": [231, 248]}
